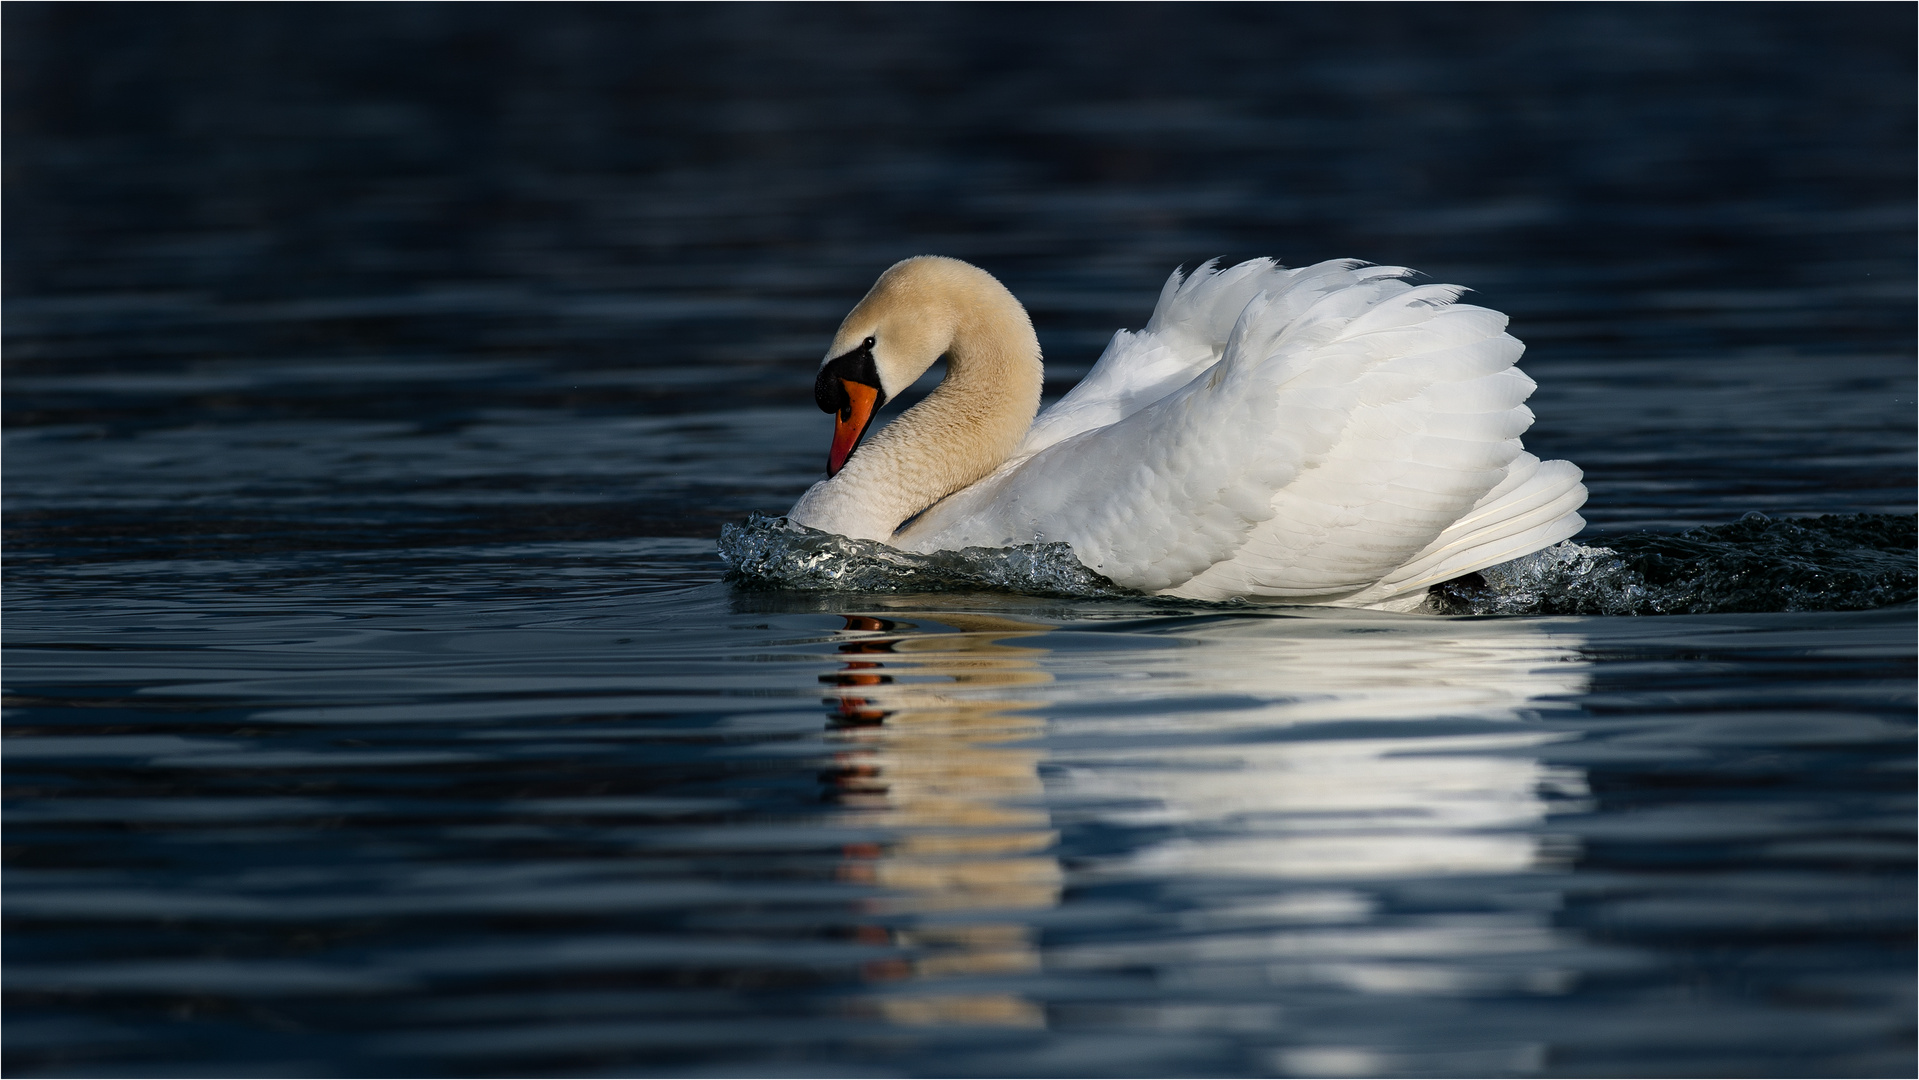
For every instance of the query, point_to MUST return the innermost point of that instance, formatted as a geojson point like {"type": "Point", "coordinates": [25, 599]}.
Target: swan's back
{"type": "Point", "coordinates": [1331, 434]}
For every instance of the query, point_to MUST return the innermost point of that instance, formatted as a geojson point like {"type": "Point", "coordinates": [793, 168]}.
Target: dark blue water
{"type": "Point", "coordinates": [378, 381]}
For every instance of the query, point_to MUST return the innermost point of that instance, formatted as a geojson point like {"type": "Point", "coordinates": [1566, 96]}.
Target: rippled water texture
{"type": "Point", "coordinates": [378, 381]}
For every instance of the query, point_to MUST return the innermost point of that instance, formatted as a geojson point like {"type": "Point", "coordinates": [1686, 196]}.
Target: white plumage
{"type": "Point", "coordinates": [1331, 435]}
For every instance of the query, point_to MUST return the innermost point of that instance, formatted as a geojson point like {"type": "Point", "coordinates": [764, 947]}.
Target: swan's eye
{"type": "Point", "coordinates": [855, 368]}
{"type": "Point", "coordinates": [869, 343]}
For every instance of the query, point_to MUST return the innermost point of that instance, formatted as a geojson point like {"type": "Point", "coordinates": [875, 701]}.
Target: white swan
{"type": "Point", "coordinates": [1325, 435]}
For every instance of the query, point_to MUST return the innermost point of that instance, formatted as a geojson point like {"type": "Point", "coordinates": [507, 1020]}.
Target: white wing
{"type": "Point", "coordinates": [1186, 335]}
{"type": "Point", "coordinates": [1355, 436]}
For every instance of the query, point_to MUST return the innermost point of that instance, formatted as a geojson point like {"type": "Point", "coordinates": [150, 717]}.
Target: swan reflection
{"type": "Point", "coordinates": [1275, 781]}
{"type": "Point", "coordinates": [1363, 813]}
{"type": "Point", "coordinates": [939, 745]}
{"type": "Point", "coordinates": [1356, 750]}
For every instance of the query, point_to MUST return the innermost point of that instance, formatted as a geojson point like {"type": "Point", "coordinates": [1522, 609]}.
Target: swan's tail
{"type": "Point", "coordinates": [1535, 506]}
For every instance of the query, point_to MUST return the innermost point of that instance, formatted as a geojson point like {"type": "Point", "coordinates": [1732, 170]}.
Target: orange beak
{"type": "Point", "coordinates": [861, 402]}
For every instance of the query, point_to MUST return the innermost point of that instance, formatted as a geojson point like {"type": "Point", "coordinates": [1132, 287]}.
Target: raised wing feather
{"type": "Point", "coordinates": [1186, 335]}
{"type": "Point", "coordinates": [1349, 420]}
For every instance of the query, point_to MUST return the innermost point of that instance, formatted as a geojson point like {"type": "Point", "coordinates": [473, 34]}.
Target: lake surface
{"type": "Point", "coordinates": [377, 383]}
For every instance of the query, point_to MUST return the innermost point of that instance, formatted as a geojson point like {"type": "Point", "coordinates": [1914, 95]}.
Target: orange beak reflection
{"type": "Point", "coordinates": [862, 401]}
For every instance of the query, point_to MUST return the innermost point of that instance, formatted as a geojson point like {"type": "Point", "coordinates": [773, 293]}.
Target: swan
{"type": "Point", "coordinates": [1330, 434]}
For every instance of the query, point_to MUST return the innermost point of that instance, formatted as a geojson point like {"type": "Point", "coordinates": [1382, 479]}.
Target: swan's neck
{"type": "Point", "coordinates": [962, 431]}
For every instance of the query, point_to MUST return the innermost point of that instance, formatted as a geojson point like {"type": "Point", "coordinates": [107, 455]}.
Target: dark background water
{"type": "Point", "coordinates": [314, 212]}
{"type": "Point", "coordinates": [377, 378]}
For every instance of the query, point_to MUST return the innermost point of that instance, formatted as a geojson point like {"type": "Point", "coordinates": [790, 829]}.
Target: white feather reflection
{"type": "Point", "coordinates": [1342, 766]}
{"type": "Point", "coordinates": [1357, 753]}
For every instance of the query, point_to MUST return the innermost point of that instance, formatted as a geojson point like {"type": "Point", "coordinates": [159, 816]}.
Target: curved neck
{"type": "Point", "coordinates": [962, 431]}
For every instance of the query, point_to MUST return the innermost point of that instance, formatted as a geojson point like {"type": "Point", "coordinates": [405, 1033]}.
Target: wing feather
{"type": "Point", "coordinates": [1327, 434]}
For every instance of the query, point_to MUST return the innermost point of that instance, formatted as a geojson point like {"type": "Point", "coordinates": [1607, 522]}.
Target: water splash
{"type": "Point", "coordinates": [1831, 563]}
{"type": "Point", "coordinates": [773, 552]}
{"type": "Point", "coordinates": [1567, 578]}
{"type": "Point", "coordinates": [1835, 562]}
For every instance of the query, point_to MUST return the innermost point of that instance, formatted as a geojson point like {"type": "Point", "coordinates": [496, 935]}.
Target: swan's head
{"type": "Point", "coordinates": [907, 321]}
